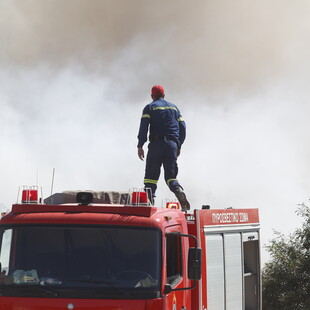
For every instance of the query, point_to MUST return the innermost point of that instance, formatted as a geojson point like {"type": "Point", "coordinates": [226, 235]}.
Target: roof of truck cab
{"type": "Point", "coordinates": [94, 214]}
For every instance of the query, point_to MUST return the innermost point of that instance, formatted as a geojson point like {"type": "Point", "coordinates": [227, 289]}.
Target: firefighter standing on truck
{"type": "Point", "coordinates": [167, 134]}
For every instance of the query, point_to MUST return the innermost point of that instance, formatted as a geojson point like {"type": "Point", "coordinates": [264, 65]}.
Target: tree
{"type": "Point", "coordinates": [286, 277]}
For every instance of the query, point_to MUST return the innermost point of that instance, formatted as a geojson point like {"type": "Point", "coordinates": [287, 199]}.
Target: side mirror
{"type": "Point", "coordinates": [194, 263]}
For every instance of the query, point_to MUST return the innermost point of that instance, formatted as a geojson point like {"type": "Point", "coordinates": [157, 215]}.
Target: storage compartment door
{"type": "Point", "coordinates": [233, 271]}
{"type": "Point", "coordinates": [215, 272]}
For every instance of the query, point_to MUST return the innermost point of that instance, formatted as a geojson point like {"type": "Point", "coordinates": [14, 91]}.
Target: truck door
{"type": "Point", "coordinates": [175, 269]}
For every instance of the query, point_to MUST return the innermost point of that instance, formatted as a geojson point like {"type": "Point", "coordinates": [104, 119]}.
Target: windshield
{"type": "Point", "coordinates": [81, 262]}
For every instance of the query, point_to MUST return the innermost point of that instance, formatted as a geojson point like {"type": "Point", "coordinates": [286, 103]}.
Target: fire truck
{"type": "Point", "coordinates": [116, 251]}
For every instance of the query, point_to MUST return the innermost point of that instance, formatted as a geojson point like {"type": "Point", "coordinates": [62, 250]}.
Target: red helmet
{"type": "Point", "coordinates": [158, 90]}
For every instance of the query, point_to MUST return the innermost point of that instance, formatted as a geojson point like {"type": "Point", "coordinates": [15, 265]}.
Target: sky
{"type": "Point", "coordinates": [75, 76]}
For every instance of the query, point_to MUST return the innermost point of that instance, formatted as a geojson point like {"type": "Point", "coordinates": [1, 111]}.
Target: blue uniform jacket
{"type": "Point", "coordinates": [164, 119]}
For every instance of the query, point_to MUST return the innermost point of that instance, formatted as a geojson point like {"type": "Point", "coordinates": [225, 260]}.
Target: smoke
{"type": "Point", "coordinates": [75, 75]}
{"type": "Point", "coordinates": [208, 45]}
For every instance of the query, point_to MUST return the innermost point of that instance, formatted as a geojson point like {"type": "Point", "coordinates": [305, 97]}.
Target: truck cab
{"type": "Point", "coordinates": [110, 256]}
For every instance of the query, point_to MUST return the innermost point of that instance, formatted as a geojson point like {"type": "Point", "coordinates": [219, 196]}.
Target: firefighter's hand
{"type": "Point", "coordinates": [141, 153]}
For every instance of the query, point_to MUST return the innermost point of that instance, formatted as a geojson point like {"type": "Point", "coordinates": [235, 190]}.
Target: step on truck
{"type": "Point", "coordinates": [115, 251]}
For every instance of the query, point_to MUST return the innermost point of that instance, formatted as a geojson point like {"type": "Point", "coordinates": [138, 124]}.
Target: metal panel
{"type": "Point", "coordinates": [215, 272]}
{"type": "Point", "coordinates": [233, 271]}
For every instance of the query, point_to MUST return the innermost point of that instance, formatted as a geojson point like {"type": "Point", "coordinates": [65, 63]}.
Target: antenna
{"type": "Point", "coordinates": [53, 176]}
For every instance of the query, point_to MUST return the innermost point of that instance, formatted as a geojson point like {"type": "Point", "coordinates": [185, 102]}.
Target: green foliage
{"type": "Point", "coordinates": [286, 277]}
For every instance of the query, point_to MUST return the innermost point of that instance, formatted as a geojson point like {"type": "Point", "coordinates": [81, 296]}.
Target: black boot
{"type": "Point", "coordinates": [150, 196]}
{"type": "Point", "coordinates": [182, 198]}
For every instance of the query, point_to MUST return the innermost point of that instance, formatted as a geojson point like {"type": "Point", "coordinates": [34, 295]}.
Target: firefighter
{"type": "Point", "coordinates": [167, 132]}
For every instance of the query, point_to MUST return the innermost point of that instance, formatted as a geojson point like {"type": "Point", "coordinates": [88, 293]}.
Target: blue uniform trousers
{"type": "Point", "coordinates": [161, 152]}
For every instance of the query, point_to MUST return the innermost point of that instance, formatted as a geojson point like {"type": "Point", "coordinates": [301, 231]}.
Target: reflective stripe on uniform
{"type": "Point", "coordinates": [150, 181]}
{"type": "Point", "coordinates": [146, 116]}
{"type": "Point", "coordinates": [169, 180]}
{"type": "Point", "coordinates": [180, 119]}
{"type": "Point", "coordinates": [164, 108]}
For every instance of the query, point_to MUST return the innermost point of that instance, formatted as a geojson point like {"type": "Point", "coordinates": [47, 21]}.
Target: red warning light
{"type": "Point", "coordinates": [139, 197]}
{"type": "Point", "coordinates": [30, 196]}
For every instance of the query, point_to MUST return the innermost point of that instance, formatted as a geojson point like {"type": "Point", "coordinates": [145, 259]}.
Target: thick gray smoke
{"type": "Point", "coordinates": [75, 75]}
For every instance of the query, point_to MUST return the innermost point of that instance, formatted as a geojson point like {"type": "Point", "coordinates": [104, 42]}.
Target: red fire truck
{"type": "Point", "coordinates": [111, 250]}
